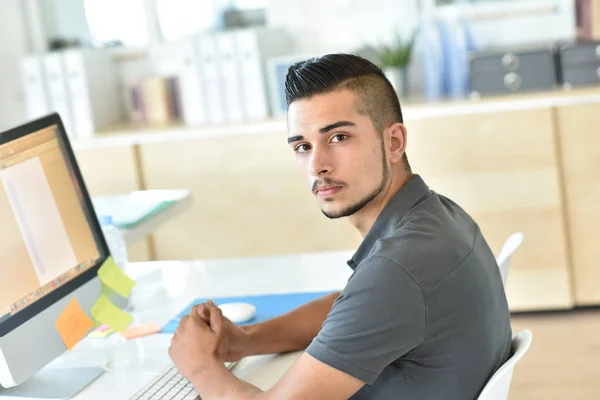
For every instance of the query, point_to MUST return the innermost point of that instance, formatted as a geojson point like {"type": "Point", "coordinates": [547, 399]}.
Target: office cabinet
{"type": "Point", "coordinates": [501, 167]}
{"type": "Point", "coordinates": [113, 170]}
{"type": "Point", "coordinates": [580, 159]}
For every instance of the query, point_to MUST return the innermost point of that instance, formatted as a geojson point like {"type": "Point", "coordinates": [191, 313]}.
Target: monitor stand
{"type": "Point", "coordinates": [54, 383]}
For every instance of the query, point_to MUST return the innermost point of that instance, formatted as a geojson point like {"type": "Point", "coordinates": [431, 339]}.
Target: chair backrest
{"type": "Point", "coordinates": [510, 246]}
{"type": "Point", "coordinates": [498, 386]}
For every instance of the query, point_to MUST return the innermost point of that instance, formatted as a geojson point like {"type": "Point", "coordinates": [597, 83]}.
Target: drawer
{"type": "Point", "coordinates": [527, 79]}
{"type": "Point", "coordinates": [584, 53]}
{"type": "Point", "coordinates": [582, 75]}
{"type": "Point", "coordinates": [511, 62]}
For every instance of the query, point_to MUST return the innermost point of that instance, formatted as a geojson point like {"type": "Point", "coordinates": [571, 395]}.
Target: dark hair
{"type": "Point", "coordinates": [319, 75]}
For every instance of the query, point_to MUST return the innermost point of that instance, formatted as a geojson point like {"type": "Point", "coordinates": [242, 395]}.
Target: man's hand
{"type": "Point", "coordinates": [201, 341]}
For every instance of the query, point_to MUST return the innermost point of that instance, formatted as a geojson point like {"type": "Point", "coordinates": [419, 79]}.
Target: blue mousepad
{"type": "Point", "coordinates": [267, 306]}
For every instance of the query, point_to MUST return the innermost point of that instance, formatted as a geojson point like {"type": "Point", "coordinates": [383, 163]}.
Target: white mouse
{"type": "Point", "coordinates": [238, 312]}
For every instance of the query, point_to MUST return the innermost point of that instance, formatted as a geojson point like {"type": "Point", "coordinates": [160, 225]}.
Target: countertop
{"type": "Point", "coordinates": [127, 134]}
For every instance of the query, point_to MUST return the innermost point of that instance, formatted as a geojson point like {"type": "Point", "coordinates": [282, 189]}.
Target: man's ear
{"type": "Point", "coordinates": [397, 141]}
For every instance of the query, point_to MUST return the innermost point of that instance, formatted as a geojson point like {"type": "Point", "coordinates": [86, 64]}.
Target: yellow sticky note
{"type": "Point", "coordinates": [73, 324]}
{"type": "Point", "coordinates": [112, 276]}
{"type": "Point", "coordinates": [106, 312]}
{"type": "Point", "coordinates": [141, 330]}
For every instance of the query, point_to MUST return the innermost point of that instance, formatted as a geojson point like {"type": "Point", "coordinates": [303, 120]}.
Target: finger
{"type": "Point", "coordinates": [202, 311]}
{"type": "Point", "coordinates": [216, 317]}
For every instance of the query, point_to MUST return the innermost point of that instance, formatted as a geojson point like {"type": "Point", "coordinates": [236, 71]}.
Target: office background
{"type": "Point", "coordinates": [500, 99]}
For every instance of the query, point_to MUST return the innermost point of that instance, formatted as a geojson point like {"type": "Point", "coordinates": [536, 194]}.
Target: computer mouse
{"type": "Point", "coordinates": [238, 312]}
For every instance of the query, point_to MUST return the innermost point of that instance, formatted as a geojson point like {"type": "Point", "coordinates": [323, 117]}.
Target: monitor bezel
{"type": "Point", "coordinates": [14, 321]}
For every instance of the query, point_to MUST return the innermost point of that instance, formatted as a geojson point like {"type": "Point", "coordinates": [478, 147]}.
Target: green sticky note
{"type": "Point", "coordinates": [112, 276]}
{"type": "Point", "coordinates": [106, 312]}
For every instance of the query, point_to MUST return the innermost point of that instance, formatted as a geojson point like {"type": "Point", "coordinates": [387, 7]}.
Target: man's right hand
{"type": "Point", "coordinates": [239, 340]}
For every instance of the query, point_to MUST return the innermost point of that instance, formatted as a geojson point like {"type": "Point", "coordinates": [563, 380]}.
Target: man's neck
{"type": "Point", "coordinates": [364, 219]}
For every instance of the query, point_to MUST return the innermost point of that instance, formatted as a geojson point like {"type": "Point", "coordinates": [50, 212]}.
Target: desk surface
{"type": "Point", "coordinates": [165, 288]}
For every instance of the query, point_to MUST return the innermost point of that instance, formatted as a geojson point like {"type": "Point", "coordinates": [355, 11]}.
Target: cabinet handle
{"type": "Point", "coordinates": [510, 61]}
{"type": "Point", "coordinates": [512, 81]}
{"type": "Point", "coordinates": [598, 52]}
{"type": "Point", "coordinates": [598, 72]}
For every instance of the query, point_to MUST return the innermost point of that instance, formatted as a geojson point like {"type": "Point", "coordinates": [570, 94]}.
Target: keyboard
{"type": "Point", "coordinates": [170, 385]}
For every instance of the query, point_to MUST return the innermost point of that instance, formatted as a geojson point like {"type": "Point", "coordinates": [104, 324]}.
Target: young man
{"type": "Point", "coordinates": [424, 315]}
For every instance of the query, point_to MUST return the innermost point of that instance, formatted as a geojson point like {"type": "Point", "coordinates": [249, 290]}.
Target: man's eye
{"type": "Point", "coordinates": [301, 148]}
{"type": "Point", "coordinates": [339, 138]}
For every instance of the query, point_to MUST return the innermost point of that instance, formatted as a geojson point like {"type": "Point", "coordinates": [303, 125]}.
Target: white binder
{"type": "Point", "coordinates": [36, 99]}
{"type": "Point", "coordinates": [58, 95]}
{"type": "Point", "coordinates": [253, 87]}
{"type": "Point", "coordinates": [77, 84]}
{"type": "Point", "coordinates": [211, 81]}
{"type": "Point", "coordinates": [230, 76]}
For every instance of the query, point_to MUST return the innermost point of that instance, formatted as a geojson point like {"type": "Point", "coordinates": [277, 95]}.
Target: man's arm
{"type": "Point", "coordinates": [290, 332]}
{"type": "Point", "coordinates": [308, 378]}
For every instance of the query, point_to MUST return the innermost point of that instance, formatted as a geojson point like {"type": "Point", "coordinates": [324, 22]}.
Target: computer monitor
{"type": "Point", "coordinates": [51, 246]}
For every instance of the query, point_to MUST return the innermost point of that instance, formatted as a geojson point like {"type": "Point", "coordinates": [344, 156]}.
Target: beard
{"type": "Point", "coordinates": [359, 204]}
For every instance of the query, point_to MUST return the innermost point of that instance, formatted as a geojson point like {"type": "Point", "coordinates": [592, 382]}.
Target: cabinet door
{"type": "Point", "coordinates": [249, 199]}
{"type": "Point", "coordinates": [580, 154]}
{"type": "Point", "coordinates": [113, 170]}
{"type": "Point", "coordinates": [501, 167]}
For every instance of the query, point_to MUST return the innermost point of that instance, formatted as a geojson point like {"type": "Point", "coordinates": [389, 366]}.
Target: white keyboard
{"type": "Point", "coordinates": [170, 385]}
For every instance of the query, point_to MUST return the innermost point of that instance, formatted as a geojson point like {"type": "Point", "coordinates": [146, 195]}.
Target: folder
{"type": "Point", "coordinates": [253, 87]}
{"type": "Point", "coordinates": [211, 82]}
{"type": "Point", "coordinates": [36, 98]}
{"type": "Point", "coordinates": [58, 94]}
{"type": "Point", "coordinates": [230, 76]}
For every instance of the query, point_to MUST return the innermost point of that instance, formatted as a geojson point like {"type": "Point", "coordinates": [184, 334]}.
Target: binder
{"type": "Point", "coordinates": [230, 76]}
{"type": "Point", "coordinates": [58, 94]}
{"type": "Point", "coordinates": [36, 99]}
{"type": "Point", "coordinates": [253, 87]}
{"type": "Point", "coordinates": [210, 78]}
{"type": "Point", "coordinates": [77, 85]}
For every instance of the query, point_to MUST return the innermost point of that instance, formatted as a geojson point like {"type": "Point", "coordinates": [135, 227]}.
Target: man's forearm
{"type": "Point", "coordinates": [292, 331]}
{"type": "Point", "coordinates": [220, 384]}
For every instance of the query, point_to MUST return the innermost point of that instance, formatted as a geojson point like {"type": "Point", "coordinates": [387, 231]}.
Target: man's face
{"type": "Point", "coordinates": [339, 150]}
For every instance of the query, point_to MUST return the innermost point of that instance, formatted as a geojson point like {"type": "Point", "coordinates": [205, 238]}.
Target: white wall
{"type": "Point", "coordinates": [339, 25]}
{"type": "Point", "coordinates": [13, 46]}
{"type": "Point", "coordinates": [342, 25]}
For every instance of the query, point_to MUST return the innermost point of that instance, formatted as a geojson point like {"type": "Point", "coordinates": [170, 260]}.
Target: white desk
{"type": "Point", "coordinates": [163, 289]}
{"type": "Point", "coordinates": [121, 205]}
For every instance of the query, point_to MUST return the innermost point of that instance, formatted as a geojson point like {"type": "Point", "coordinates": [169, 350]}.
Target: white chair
{"type": "Point", "coordinates": [498, 386]}
{"type": "Point", "coordinates": [510, 246]}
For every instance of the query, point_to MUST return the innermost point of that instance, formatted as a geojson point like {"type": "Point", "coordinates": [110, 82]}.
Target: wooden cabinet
{"type": "Point", "coordinates": [249, 199]}
{"type": "Point", "coordinates": [580, 157]}
{"type": "Point", "coordinates": [113, 170]}
{"type": "Point", "coordinates": [502, 168]}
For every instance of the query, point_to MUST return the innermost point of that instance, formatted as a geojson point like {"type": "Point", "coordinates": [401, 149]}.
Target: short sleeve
{"type": "Point", "coordinates": [379, 317]}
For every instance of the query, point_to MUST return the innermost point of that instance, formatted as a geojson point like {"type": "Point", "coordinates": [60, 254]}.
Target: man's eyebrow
{"type": "Point", "coordinates": [335, 125]}
{"type": "Point", "coordinates": [297, 138]}
{"type": "Point", "coordinates": [324, 129]}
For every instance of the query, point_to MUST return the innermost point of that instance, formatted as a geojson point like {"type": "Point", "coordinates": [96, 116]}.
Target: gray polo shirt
{"type": "Point", "coordinates": [424, 315]}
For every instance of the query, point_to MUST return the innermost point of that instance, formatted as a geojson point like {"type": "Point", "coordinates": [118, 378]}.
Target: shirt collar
{"type": "Point", "coordinates": [389, 219]}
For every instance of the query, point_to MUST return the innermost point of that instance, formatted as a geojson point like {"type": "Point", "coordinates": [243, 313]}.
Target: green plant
{"type": "Point", "coordinates": [397, 54]}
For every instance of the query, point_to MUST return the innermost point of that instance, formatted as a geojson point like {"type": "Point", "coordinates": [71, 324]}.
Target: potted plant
{"type": "Point", "coordinates": [394, 60]}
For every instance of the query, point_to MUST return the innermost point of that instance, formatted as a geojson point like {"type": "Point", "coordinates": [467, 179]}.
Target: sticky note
{"type": "Point", "coordinates": [141, 330]}
{"type": "Point", "coordinates": [102, 331]}
{"type": "Point", "coordinates": [113, 277]}
{"type": "Point", "coordinates": [73, 324]}
{"type": "Point", "coordinates": [106, 312]}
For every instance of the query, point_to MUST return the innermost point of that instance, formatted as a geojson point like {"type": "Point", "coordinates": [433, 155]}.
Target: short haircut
{"type": "Point", "coordinates": [376, 95]}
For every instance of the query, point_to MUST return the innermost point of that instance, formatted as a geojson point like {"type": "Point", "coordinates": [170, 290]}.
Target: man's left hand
{"type": "Point", "coordinates": [200, 342]}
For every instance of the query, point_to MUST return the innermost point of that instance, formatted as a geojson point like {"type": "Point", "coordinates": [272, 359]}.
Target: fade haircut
{"type": "Point", "coordinates": [376, 96]}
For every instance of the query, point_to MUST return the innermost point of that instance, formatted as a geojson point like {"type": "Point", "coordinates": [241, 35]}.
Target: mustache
{"type": "Point", "coordinates": [326, 181]}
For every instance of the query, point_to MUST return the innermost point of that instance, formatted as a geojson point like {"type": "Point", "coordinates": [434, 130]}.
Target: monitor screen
{"type": "Point", "coordinates": [46, 239]}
